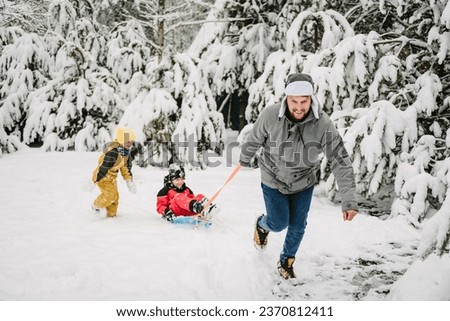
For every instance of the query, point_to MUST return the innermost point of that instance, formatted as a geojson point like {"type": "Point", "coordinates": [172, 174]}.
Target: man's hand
{"type": "Point", "coordinates": [349, 215]}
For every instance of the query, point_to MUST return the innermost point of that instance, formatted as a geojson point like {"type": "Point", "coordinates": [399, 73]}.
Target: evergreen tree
{"type": "Point", "coordinates": [79, 106]}
{"type": "Point", "coordinates": [436, 231]}
{"type": "Point", "coordinates": [28, 15]}
{"type": "Point", "coordinates": [232, 48]}
{"type": "Point", "coordinates": [127, 56]}
{"type": "Point", "coordinates": [418, 89]}
{"type": "Point", "coordinates": [25, 66]}
{"type": "Point", "coordinates": [165, 22]}
{"type": "Point", "coordinates": [175, 114]}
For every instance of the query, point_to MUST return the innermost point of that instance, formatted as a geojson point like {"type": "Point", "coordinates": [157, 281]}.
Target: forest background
{"type": "Point", "coordinates": [180, 72]}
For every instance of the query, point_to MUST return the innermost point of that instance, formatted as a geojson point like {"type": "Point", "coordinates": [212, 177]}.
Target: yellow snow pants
{"type": "Point", "coordinates": [109, 197]}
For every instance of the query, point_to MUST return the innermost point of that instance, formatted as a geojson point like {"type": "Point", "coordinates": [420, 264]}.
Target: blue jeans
{"type": "Point", "coordinates": [286, 211]}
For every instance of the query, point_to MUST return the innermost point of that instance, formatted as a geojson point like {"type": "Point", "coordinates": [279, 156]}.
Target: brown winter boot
{"type": "Point", "coordinates": [260, 236]}
{"type": "Point", "coordinates": [286, 268]}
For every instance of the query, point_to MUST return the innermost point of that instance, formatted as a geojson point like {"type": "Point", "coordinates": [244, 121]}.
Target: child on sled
{"type": "Point", "coordinates": [176, 199]}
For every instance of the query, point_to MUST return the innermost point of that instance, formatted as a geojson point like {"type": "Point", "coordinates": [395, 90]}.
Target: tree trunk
{"type": "Point", "coordinates": [161, 9]}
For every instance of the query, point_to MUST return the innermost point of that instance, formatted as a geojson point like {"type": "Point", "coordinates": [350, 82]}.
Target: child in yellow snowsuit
{"type": "Point", "coordinates": [115, 157]}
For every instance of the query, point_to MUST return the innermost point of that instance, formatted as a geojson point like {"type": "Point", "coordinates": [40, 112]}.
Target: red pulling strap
{"type": "Point", "coordinates": [235, 171]}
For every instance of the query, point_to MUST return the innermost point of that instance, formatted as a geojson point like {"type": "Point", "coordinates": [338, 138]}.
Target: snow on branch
{"type": "Point", "coordinates": [127, 53]}
{"type": "Point", "coordinates": [9, 35]}
{"type": "Point", "coordinates": [211, 30]}
{"type": "Point", "coordinates": [224, 78]}
{"type": "Point", "coordinates": [428, 87]}
{"type": "Point", "coordinates": [445, 17]}
{"type": "Point", "coordinates": [62, 16]}
{"type": "Point", "coordinates": [371, 140]}
{"type": "Point", "coordinates": [8, 143]}
{"type": "Point", "coordinates": [443, 41]}
{"type": "Point", "coordinates": [388, 67]}
{"type": "Point", "coordinates": [413, 201]}
{"type": "Point", "coordinates": [23, 14]}
{"type": "Point", "coordinates": [416, 181]}
{"type": "Point", "coordinates": [150, 110]}
{"type": "Point", "coordinates": [436, 231]}
{"type": "Point", "coordinates": [335, 28]}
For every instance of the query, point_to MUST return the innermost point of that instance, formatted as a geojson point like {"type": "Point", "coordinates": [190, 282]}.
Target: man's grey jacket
{"type": "Point", "coordinates": [290, 152]}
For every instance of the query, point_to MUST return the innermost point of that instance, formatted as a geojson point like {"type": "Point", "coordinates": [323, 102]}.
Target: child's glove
{"type": "Point", "coordinates": [168, 215]}
{"type": "Point", "coordinates": [196, 206]}
{"type": "Point", "coordinates": [131, 186]}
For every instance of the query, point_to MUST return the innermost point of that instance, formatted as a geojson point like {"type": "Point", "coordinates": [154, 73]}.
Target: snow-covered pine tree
{"type": "Point", "coordinates": [410, 74]}
{"type": "Point", "coordinates": [28, 15]}
{"type": "Point", "coordinates": [208, 49]}
{"type": "Point", "coordinates": [8, 35]}
{"type": "Point", "coordinates": [428, 96]}
{"type": "Point", "coordinates": [171, 104]}
{"type": "Point", "coordinates": [25, 66]}
{"type": "Point", "coordinates": [153, 114]}
{"type": "Point", "coordinates": [62, 15]}
{"type": "Point", "coordinates": [79, 106]}
{"type": "Point", "coordinates": [233, 47]}
{"type": "Point", "coordinates": [171, 22]}
{"type": "Point", "coordinates": [165, 22]}
{"type": "Point", "coordinates": [175, 114]}
{"type": "Point", "coordinates": [436, 231]}
{"type": "Point", "coordinates": [126, 58]}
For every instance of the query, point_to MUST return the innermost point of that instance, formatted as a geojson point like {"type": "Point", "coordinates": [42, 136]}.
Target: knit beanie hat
{"type": "Point", "coordinates": [299, 85]}
{"type": "Point", "coordinates": [175, 171]}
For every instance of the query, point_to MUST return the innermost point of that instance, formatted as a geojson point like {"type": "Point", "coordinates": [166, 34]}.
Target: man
{"type": "Point", "coordinates": [114, 158]}
{"type": "Point", "coordinates": [291, 136]}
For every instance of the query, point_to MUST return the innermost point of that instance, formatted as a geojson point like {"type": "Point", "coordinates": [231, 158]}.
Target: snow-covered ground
{"type": "Point", "coordinates": [54, 248]}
